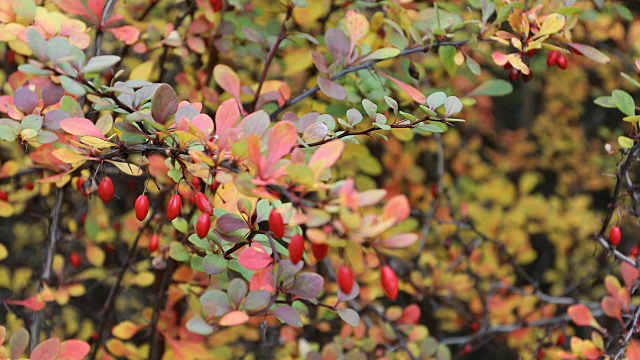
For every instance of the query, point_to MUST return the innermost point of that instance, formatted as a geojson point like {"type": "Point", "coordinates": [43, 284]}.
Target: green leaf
{"type": "Point", "coordinates": [495, 87]}
{"type": "Point", "coordinates": [349, 316]}
{"type": "Point", "coordinates": [37, 43]}
{"type": "Point", "coordinates": [624, 102]}
{"type": "Point", "coordinates": [214, 264]}
{"type": "Point", "coordinates": [473, 66]}
{"type": "Point", "coordinates": [32, 70]}
{"type": "Point", "coordinates": [196, 263]}
{"type": "Point", "coordinates": [625, 142]}
{"type": "Point", "coordinates": [180, 224]}
{"type": "Point", "coordinates": [370, 108]}
{"type": "Point", "coordinates": [100, 63]}
{"type": "Point", "coordinates": [591, 52]}
{"type": "Point", "coordinates": [32, 121]}
{"type": "Point", "coordinates": [71, 86]}
{"type": "Point", "coordinates": [631, 119]}
{"type": "Point", "coordinates": [7, 133]}
{"type": "Point", "coordinates": [384, 53]}
{"type": "Point", "coordinates": [178, 252]}
{"type": "Point", "coordinates": [605, 101]}
{"type": "Point", "coordinates": [624, 12]}
{"type": "Point", "coordinates": [630, 79]}
{"type": "Point", "coordinates": [447, 53]}
{"type": "Point", "coordinates": [200, 243]}
{"type": "Point", "coordinates": [197, 325]}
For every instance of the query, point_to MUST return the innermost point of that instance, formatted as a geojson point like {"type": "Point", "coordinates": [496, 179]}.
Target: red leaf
{"type": "Point", "coordinates": [633, 350]}
{"type": "Point", "coordinates": [227, 115]}
{"type": "Point", "coordinates": [612, 308]}
{"type": "Point", "coordinates": [34, 303]}
{"type": "Point", "coordinates": [234, 318]}
{"type": "Point", "coordinates": [327, 155]}
{"type": "Point", "coordinates": [228, 80]}
{"type": "Point", "coordinates": [262, 280]}
{"type": "Point", "coordinates": [282, 139]}
{"type": "Point", "coordinates": [629, 274]}
{"type": "Point", "coordinates": [580, 314]}
{"type": "Point", "coordinates": [255, 257]}
{"type": "Point", "coordinates": [332, 88]}
{"type": "Point", "coordinates": [74, 349]}
{"type": "Point", "coordinates": [128, 34]}
{"type": "Point", "coordinates": [76, 7]}
{"type": "Point", "coordinates": [413, 93]}
{"type": "Point", "coordinates": [81, 127]}
{"type": "Point", "coordinates": [397, 207]}
{"type": "Point", "coordinates": [96, 7]}
{"type": "Point", "coordinates": [47, 350]}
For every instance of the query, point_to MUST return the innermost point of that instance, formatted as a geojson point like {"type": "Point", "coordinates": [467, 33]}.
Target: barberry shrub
{"type": "Point", "coordinates": [319, 179]}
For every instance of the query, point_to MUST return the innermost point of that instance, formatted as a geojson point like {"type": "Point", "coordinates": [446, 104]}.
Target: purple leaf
{"type": "Point", "coordinates": [51, 93]}
{"type": "Point", "coordinates": [288, 315]}
{"type": "Point", "coordinates": [257, 300]}
{"type": "Point", "coordinates": [25, 100]}
{"type": "Point", "coordinates": [237, 291]}
{"type": "Point", "coordinates": [215, 303]}
{"type": "Point", "coordinates": [52, 119]}
{"type": "Point", "coordinates": [164, 103]}
{"type": "Point", "coordinates": [214, 264]}
{"type": "Point", "coordinates": [332, 88]}
{"type": "Point", "coordinates": [287, 270]}
{"type": "Point", "coordinates": [349, 316]}
{"type": "Point", "coordinates": [338, 43]}
{"type": "Point", "coordinates": [229, 223]}
{"type": "Point", "coordinates": [308, 285]}
{"type": "Point", "coordinates": [319, 61]}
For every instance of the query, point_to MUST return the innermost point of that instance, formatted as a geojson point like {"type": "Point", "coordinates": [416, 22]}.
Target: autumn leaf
{"type": "Point", "coordinates": [255, 257]}
{"type": "Point", "coordinates": [581, 315]}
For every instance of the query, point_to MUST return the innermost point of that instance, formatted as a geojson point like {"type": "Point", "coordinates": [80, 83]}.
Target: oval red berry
{"type": "Point", "coordinates": [276, 224]}
{"type": "Point", "coordinates": [75, 260]}
{"type": "Point", "coordinates": [562, 62]}
{"type": "Point", "coordinates": [514, 74]}
{"type": "Point", "coordinates": [202, 202]}
{"type": "Point", "coordinates": [319, 251]}
{"type": "Point", "coordinates": [345, 279]}
{"type": "Point", "coordinates": [615, 235]}
{"type": "Point", "coordinates": [552, 58]}
{"type": "Point", "coordinates": [154, 242]}
{"type": "Point", "coordinates": [174, 207]}
{"type": "Point", "coordinates": [389, 282]}
{"type": "Point", "coordinates": [142, 207]}
{"type": "Point", "coordinates": [106, 190]}
{"type": "Point", "coordinates": [296, 248]}
{"type": "Point", "coordinates": [4, 196]}
{"type": "Point", "coordinates": [203, 225]}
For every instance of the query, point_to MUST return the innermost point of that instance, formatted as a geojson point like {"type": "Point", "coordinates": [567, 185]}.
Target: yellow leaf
{"type": "Point", "coordinates": [517, 63]}
{"type": "Point", "coordinates": [68, 156]}
{"type": "Point", "coordinates": [125, 330]}
{"type": "Point", "coordinates": [76, 289]}
{"type": "Point", "coordinates": [127, 168]}
{"type": "Point", "coordinates": [96, 142]}
{"type": "Point", "coordinates": [143, 71]}
{"type": "Point", "coordinates": [551, 25]}
{"type": "Point", "coordinates": [357, 25]}
{"type": "Point", "coordinates": [143, 279]}
{"type": "Point", "coordinates": [4, 253]}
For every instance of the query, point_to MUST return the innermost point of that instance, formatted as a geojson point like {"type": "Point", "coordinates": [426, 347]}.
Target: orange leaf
{"type": "Point", "coordinates": [581, 315]}
{"type": "Point", "coordinates": [81, 127]}
{"type": "Point", "coordinates": [227, 115]}
{"type": "Point", "coordinates": [228, 80]}
{"type": "Point", "coordinates": [397, 207]}
{"type": "Point", "coordinates": [126, 330]}
{"type": "Point", "coordinates": [234, 318]}
{"type": "Point", "coordinates": [629, 274]}
{"type": "Point", "coordinates": [47, 350]}
{"type": "Point", "coordinates": [612, 308]}
{"type": "Point", "coordinates": [633, 350]}
{"type": "Point", "coordinates": [326, 155]}
{"type": "Point", "coordinates": [74, 349]}
{"type": "Point", "coordinates": [128, 34]}
{"type": "Point", "coordinates": [413, 93]}
{"type": "Point", "coordinates": [33, 303]}
{"type": "Point", "coordinates": [357, 26]}
{"type": "Point", "coordinates": [282, 139]}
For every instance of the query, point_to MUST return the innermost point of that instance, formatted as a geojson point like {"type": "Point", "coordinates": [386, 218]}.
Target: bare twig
{"type": "Point", "coordinates": [154, 352]}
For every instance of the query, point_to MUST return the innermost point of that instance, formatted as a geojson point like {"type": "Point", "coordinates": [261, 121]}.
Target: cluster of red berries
{"type": "Point", "coordinates": [554, 58]}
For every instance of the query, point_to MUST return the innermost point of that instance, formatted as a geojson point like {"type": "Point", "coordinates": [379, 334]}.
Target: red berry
{"type": "Point", "coordinates": [514, 74]}
{"type": "Point", "coordinates": [345, 279]}
{"type": "Point", "coordinates": [28, 186]}
{"type": "Point", "coordinates": [202, 202]}
{"type": "Point", "coordinates": [75, 259]}
{"type": "Point", "coordinates": [296, 248]}
{"type": "Point", "coordinates": [560, 341]}
{"type": "Point", "coordinates": [552, 58]}
{"type": "Point", "coordinates": [214, 186]}
{"type": "Point", "coordinates": [467, 349]}
{"type": "Point", "coordinates": [142, 207]}
{"type": "Point", "coordinates": [527, 77]}
{"type": "Point", "coordinates": [203, 225]}
{"type": "Point", "coordinates": [174, 207]}
{"type": "Point", "coordinates": [276, 224]}
{"type": "Point", "coordinates": [615, 235]}
{"type": "Point", "coordinates": [105, 189]}
{"type": "Point", "coordinates": [196, 182]}
{"type": "Point", "coordinates": [562, 62]}
{"type": "Point", "coordinates": [319, 251]}
{"type": "Point", "coordinates": [117, 226]}
{"type": "Point", "coordinates": [531, 52]}
{"type": "Point", "coordinates": [541, 354]}
{"type": "Point", "coordinates": [4, 196]}
{"type": "Point", "coordinates": [475, 326]}
{"type": "Point", "coordinates": [389, 282]}
{"type": "Point", "coordinates": [434, 189]}
{"type": "Point", "coordinates": [508, 66]}
{"type": "Point", "coordinates": [80, 186]}
{"type": "Point", "coordinates": [635, 250]}
{"type": "Point", "coordinates": [154, 242]}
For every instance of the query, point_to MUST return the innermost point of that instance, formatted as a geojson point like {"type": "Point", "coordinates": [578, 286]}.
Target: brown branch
{"type": "Point", "coordinates": [108, 307]}
{"type": "Point", "coordinates": [271, 55]}
{"type": "Point", "coordinates": [54, 228]}
{"type": "Point", "coordinates": [154, 352]}
{"type": "Point", "coordinates": [366, 65]}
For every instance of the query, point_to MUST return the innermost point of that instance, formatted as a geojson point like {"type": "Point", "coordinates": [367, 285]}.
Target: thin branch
{"type": "Point", "coordinates": [107, 308]}
{"type": "Point", "coordinates": [366, 65]}
{"type": "Point", "coordinates": [154, 352]}
{"type": "Point", "coordinates": [54, 227]}
{"type": "Point", "coordinates": [271, 55]}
